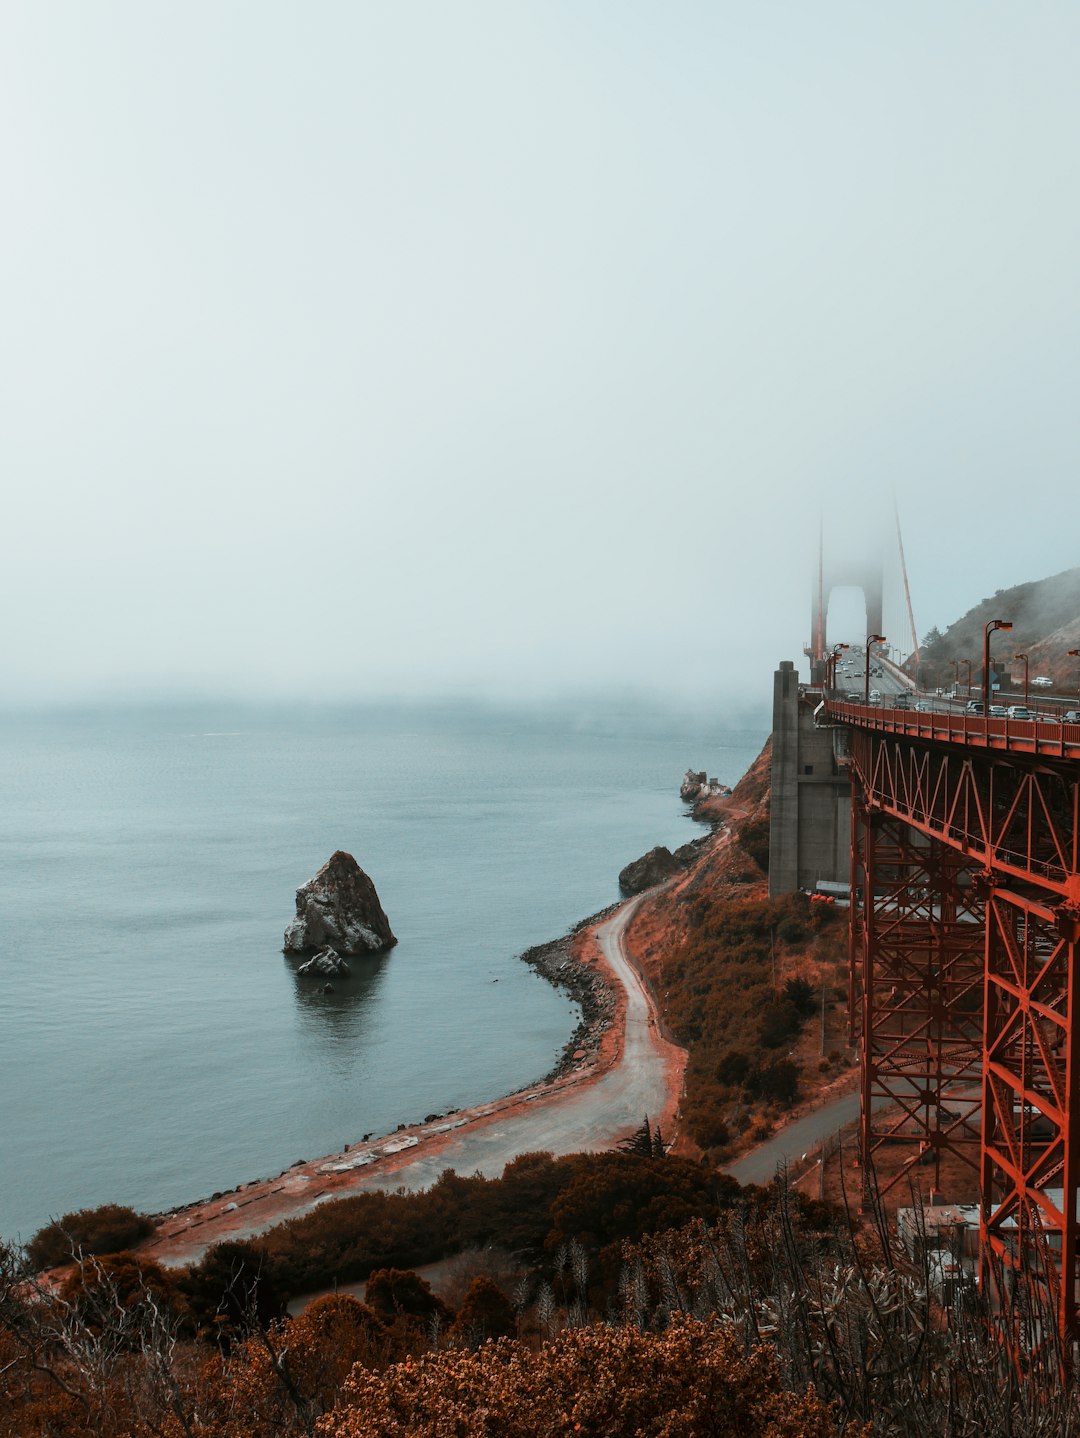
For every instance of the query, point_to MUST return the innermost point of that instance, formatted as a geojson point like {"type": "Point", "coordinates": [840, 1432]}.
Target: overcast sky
{"type": "Point", "coordinates": [356, 348]}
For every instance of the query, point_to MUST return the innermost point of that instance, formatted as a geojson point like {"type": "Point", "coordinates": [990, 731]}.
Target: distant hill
{"type": "Point", "coordinates": [1045, 615]}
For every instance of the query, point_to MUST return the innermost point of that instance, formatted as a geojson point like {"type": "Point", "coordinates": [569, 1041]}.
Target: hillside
{"type": "Point", "coordinates": [753, 988]}
{"type": "Point", "coordinates": [1045, 615]}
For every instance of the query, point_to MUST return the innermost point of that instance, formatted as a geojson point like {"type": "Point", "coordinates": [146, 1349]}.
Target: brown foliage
{"type": "Point", "coordinates": [109, 1228]}
{"type": "Point", "coordinates": [693, 1381]}
{"type": "Point", "coordinates": [723, 1007]}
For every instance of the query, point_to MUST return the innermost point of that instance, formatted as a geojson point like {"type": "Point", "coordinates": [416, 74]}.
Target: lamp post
{"type": "Point", "coordinates": [1074, 653]}
{"type": "Point", "coordinates": [831, 663]}
{"type": "Point", "coordinates": [955, 676]}
{"type": "Point", "coordinates": [968, 663]}
{"type": "Point", "coordinates": [1025, 659]}
{"type": "Point", "coordinates": [988, 629]}
{"type": "Point", "coordinates": [871, 640]}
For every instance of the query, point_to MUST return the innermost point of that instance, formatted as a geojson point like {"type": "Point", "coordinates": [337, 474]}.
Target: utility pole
{"type": "Point", "coordinates": [823, 1018]}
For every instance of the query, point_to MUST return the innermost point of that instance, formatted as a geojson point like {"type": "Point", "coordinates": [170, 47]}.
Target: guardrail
{"type": "Point", "coordinates": [1018, 736]}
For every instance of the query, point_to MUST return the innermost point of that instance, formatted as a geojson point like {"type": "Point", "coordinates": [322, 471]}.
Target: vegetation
{"type": "Point", "coordinates": [736, 1019]}
{"type": "Point", "coordinates": [770, 1318]}
{"type": "Point", "coordinates": [540, 1203]}
{"type": "Point", "coordinates": [108, 1229]}
{"type": "Point", "coordinates": [1038, 611]}
{"type": "Point", "coordinates": [691, 1381]}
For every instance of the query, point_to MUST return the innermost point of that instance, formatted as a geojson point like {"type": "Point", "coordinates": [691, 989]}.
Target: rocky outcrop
{"type": "Point", "coordinates": [339, 909]}
{"type": "Point", "coordinates": [326, 964]}
{"type": "Point", "coordinates": [651, 869]}
{"type": "Point", "coordinates": [693, 783]}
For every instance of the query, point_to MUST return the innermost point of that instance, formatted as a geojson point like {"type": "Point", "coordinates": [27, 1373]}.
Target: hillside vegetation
{"type": "Point", "coordinates": [1045, 615]}
{"type": "Point", "coordinates": [739, 976]}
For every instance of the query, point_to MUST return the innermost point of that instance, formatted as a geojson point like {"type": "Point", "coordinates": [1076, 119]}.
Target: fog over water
{"type": "Point", "coordinates": [515, 349]}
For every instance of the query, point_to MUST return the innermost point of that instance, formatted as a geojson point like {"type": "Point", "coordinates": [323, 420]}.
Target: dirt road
{"type": "Point", "coordinates": [585, 1111]}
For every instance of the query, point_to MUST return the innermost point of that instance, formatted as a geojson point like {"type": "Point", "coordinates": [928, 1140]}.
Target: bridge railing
{"type": "Point", "coordinates": [1021, 736]}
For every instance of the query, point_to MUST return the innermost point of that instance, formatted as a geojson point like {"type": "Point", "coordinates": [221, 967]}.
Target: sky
{"type": "Point", "coordinates": [515, 349]}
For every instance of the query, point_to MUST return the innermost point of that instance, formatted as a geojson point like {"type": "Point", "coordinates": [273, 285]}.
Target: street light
{"type": "Point", "coordinates": [1025, 659]}
{"type": "Point", "coordinates": [1073, 653]}
{"type": "Point", "coordinates": [830, 665]}
{"type": "Point", "coordinates": [988, 629]}
{"type": "Point", "coordinates": [871, 640]}
{"type": "Point", "coordinates": [968, 663]}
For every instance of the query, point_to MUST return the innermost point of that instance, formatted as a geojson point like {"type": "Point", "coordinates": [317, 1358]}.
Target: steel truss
{"type": "Point", "coordinates": [919, 986]}
{"type": "Point", "coordinates": [992, 839]}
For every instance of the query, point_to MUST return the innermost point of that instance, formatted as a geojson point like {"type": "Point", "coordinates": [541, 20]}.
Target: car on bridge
{"type": "Point", "coordinates": [998, 711]}
{"type": "Point", "coordinates": [1019, 711]}
{"type": "Point", "coordinates": [1042, 681]}
{"type": "Point", "coordinates": [974, 706]}
{"type": "Point", "coordinates": [1071, 716]}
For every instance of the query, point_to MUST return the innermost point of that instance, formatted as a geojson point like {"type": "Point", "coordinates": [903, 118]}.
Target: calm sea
{"type": "Point", "coordinates": [156, 1046]}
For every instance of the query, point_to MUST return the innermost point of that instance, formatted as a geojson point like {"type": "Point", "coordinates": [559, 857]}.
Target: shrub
{"type": "Point", "coordinates": [800, 992]}
{"type": "Point", "coordinates": [692, 1380]}
{"type": "Point", "coordinates": [110, 1228]}
{"type": "Point", "coordinates": [779, 1023]}
{"type": "Point", "coordinates": [754, 838]}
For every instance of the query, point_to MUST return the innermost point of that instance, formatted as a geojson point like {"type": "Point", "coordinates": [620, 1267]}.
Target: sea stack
{"type": "Point", "coordinates": [339, 909]}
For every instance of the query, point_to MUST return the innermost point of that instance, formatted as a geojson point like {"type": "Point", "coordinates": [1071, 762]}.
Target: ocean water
{"type": "Point", "coordinates": [155, 1044]}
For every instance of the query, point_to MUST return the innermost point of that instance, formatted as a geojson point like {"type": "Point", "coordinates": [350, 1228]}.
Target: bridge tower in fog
{"type": "Point", "coordinates": [863, 570]}
{"type": "Point", "coordinates": [842, 570]}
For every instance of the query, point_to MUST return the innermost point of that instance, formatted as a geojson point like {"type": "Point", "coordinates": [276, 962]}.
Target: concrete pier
{"type": "Point", "coordinates": [810, 822]}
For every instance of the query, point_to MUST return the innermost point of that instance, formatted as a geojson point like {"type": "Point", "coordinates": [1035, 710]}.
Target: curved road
{"type": "Point", "coordinates": [585, 1119]}
{"type": "Point", "coordinates": [576, 1114]}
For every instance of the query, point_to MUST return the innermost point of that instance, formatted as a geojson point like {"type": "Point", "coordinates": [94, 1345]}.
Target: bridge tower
{"type": "Point", "coordinates": [832, 573]}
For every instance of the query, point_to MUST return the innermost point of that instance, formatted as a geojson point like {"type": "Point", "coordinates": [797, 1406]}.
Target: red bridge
{"type": "Point", "coordinates": [965, 921]}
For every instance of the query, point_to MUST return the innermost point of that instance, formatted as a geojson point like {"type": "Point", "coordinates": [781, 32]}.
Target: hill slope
{"type": "Point", "coordinates": [1045, 615]}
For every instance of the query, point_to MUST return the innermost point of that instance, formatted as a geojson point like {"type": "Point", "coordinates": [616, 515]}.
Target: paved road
{"type": "Point", "coordinates": [797, 1139]}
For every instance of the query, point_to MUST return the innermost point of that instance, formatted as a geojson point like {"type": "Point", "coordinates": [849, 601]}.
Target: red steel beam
{"type": "Point", "coordinates": [937, 800]}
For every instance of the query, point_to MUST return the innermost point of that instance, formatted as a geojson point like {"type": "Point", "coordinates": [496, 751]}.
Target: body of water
{"type": "Point", "coordinates": [156, 1046]}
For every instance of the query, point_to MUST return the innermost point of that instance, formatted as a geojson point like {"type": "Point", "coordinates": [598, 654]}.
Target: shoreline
{"type": "Point", "coordinates": [591, 1056]}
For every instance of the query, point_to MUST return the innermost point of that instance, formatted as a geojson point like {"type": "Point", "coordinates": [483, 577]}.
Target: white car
{"type": "Point", "coordinates": [1042, 681]}
{"type": "Point", "coordinates": [1019, 711]}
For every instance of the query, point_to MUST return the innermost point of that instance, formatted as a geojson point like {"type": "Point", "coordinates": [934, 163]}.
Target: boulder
{"type": "Point", "coordinates": [326, 964]}
{"type": "Point", "coordinates": [652, 868]}
{"type": "Point", "coordinates": [339, 909]}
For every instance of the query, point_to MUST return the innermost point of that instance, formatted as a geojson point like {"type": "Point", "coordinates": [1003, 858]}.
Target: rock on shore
{"type": "Point", "coordinates": [339, 908]}
{"type": "Point", "coordinates": [652, 868]}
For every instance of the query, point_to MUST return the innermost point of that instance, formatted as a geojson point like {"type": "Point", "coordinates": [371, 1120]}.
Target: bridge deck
{"type": "Point", "coordinates": [1015, 736]}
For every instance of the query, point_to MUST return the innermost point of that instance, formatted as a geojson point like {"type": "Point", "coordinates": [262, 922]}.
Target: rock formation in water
{"type": "Point", "coordinates": [339, 909]}
{"type": "Point", "coordinates": [652, 868]}
{"type": "Point", "coordinates": [326, 964]}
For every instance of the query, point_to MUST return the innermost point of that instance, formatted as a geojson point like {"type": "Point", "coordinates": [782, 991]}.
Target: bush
{"type": "Point", "coordinates": [779, 1023]}
{"type": "Point", "coordinates": [754, 838]}
{"type": "Point", "coordinates": [777, 1082]}
{"type": "Point", "coordinates": [800, 992]}
{"type": "Point", "coordinates": [110, 1228]}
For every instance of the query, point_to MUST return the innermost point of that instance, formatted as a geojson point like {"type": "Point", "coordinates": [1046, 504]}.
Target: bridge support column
{"type": "Point", "coordinates": [917, 943]}
{"type": "Point", "coordinates": [1031, 1128]}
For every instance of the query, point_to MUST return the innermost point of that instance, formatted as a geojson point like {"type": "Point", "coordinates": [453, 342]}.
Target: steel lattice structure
{"type": "Point", "coordinates": [965, 932]}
